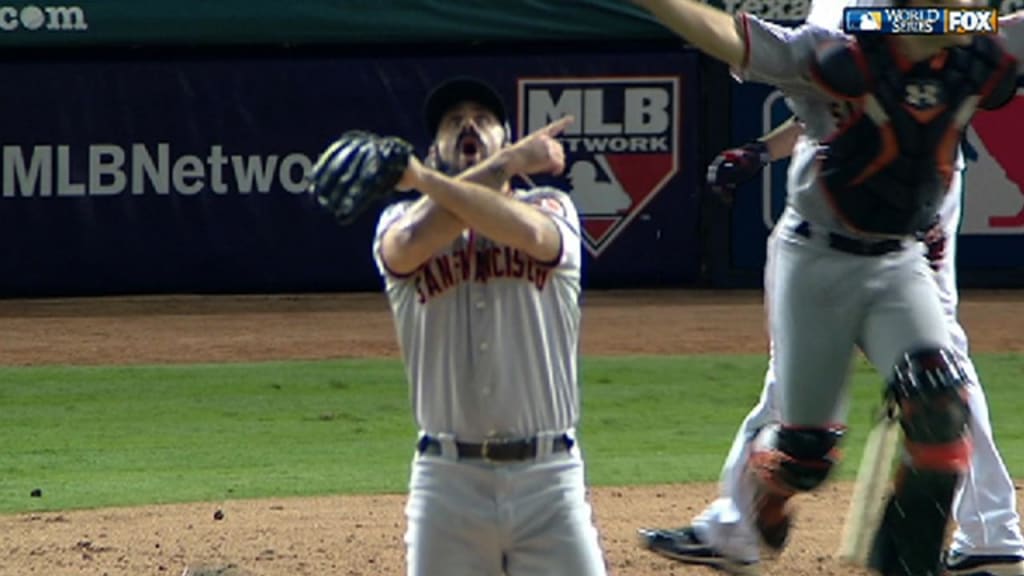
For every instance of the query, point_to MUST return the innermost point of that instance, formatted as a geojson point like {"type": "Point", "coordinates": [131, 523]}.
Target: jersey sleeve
{"type": "Point", "coordinates": [557, 204]}
{"type": "Point", "coordinates": [388, 218]}
{"type": "Point", "coordinates": [781, 56]}
{"type": "Point", "coordinates": [1011, 28]}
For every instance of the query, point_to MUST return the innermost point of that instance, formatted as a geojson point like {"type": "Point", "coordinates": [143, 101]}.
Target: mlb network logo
{"type": "Point", "coordinates": [620, 153]}
{"type": "Point", "coordinates": [921, 21]}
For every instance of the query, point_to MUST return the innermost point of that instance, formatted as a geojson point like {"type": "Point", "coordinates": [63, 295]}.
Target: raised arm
{"type": "Point", "coordinates": [428, 226]}
{"type": "Point", "coordinates": [711, 30]}
{"type": "Point", "coordinates": [499, 217]}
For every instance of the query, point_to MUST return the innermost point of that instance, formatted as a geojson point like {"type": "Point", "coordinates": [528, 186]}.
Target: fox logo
{"type": "Point", "coordinates": [620, 152]}
{"type": "Point", "coordinates": [972, 21]}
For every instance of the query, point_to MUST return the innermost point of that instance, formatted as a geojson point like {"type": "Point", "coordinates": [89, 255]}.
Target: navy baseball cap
{"type": "Point", "coordinates": [457, 90]}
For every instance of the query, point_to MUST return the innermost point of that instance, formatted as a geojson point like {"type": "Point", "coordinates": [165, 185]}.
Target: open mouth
{"type": "Point", "coordinates": [469, 145]}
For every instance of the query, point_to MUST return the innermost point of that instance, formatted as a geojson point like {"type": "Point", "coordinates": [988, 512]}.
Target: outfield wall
{"type": "Point", "coordinates": [175, 168]}
{"type": "Point", "coordinates": [172, 174]}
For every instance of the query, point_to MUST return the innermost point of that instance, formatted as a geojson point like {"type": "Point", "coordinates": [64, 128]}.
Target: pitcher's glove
{"type": "Point", "coordinates": [357, 169]}
{"type": "Point", "coordinates": [736, 166]}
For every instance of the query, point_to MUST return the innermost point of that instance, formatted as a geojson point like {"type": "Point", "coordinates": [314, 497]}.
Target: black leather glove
{"type": "Point", "coordinates": [357, 169]}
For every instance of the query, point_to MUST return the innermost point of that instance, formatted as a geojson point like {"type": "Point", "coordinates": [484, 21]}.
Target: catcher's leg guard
{"type": "Point", "coordinates": [928, 388]}
{"type": "Point", "coordinates": [783, 461]}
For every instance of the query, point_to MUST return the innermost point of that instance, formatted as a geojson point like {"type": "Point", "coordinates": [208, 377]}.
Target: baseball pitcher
{"type": "Point", "coordinates": [484, 282]}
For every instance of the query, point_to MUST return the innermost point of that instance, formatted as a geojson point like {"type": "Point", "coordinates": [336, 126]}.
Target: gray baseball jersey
{"type": "Point", "coordinates": [817, 308]}
{"type": "Point", "coordinates": [781, 56]}
{"type": "Point", "coordinates": [824, 302]}
{"type": "Point", "coordinates": [829, 14]}
{"type": "Point", "coordinates": [510, 328]}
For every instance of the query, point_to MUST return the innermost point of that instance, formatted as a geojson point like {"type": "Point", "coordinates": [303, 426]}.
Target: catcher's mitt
{"type": "Point", "coordinates": [358, 168]}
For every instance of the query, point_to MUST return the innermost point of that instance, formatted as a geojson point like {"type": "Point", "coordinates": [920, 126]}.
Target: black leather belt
{"type": "Point", "coordinates": [498, 450]}
{"type": "Point", "coordinates": [854, 245]}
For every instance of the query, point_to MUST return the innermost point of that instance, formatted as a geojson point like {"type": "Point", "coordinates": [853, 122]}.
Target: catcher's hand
{"type": "Point", "coordinates": [357, 169]}
{"type": "Point", "coordinates": [936, 241]}
{"type": "Point", "coordinates": [736, 166]}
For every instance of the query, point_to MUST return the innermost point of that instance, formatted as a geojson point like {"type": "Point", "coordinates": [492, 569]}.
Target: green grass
{"type": "Point", "coordinates": [111, 436]}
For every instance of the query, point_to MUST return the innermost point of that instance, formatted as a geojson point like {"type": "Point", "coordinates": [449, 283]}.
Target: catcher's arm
{"type": "Point", "coordinates": [428, 226]}
{"type": "Point", "coordinates": [497, 216]}
{"type": "Point", "coordinates": [736, 166]}
{"type": "Point", "coordinates": [781, 140]}
{"type": "Point", "coordinates": [711, 30]}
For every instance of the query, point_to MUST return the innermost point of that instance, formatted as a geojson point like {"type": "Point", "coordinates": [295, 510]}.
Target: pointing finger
{"type": "Point", "coordinates": [556, 127]}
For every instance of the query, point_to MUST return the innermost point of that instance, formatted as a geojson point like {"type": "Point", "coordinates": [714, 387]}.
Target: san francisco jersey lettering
{"type": "Point", "coordinates": [485, 291]}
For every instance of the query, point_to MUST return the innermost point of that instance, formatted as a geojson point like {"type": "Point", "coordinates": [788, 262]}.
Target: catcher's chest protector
{"type": "Point", "coordinates": [888, 165]}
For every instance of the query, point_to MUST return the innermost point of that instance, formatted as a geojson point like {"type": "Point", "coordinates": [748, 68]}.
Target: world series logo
{"type": "Point", "coordinates": [621, 151]}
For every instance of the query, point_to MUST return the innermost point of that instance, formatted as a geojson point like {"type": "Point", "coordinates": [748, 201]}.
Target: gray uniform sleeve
{"type": "Point", "coordinates": [781, 56]}
{"type": "Point", "coordinates": [557, 204]}
{"type": "Point", "coordinates": [1011, 28]}
{"type": "Point", "coordinates": [387, 219]}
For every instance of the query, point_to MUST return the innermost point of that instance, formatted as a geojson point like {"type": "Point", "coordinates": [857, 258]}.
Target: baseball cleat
{"type": "Point", "coordinates": [957, 564]}
{"type": "Point", "coordinates": [773, 521]}
{"type": "Point", "coordinates": [684, 545]}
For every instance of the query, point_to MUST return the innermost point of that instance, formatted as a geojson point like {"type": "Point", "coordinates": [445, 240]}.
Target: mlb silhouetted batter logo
{"type": "Point", "coordinates": [994, 199]}
{"type": "Point", "coordinates": [620, 152]}
{"type": "Point", "coordinates": [594, 195]}
{"type": "Point", "coordinates": [870, 22]}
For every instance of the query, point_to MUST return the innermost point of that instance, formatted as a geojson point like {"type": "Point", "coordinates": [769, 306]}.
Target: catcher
{"type": "Point", "coordinates": [484, 283]}
{"type": "Point", "coordinates": [845, 271]}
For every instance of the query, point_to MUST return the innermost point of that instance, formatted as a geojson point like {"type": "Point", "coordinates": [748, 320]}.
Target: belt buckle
{"type": "Point", "coordinates": [485, 449]}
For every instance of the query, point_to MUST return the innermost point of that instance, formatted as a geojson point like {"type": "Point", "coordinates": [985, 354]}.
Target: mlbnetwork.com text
{"type": "Point", "coordinates": [110, 169]}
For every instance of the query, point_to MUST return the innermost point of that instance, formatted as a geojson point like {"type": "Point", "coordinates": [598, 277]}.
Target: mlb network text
{"type": "Point", "coordinates": [922, 21]}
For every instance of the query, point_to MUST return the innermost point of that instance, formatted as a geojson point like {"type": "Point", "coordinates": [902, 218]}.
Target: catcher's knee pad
{"type": "Point", "coordinates": [928, 387]}
{"type": "Point", "coordinates": [788, 460]}
{"type": "Point", "coordinates": [783, 461]}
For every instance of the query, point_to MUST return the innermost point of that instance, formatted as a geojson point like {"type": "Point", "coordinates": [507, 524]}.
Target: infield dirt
{"type": "Point", "coordinates": [362, 535]}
